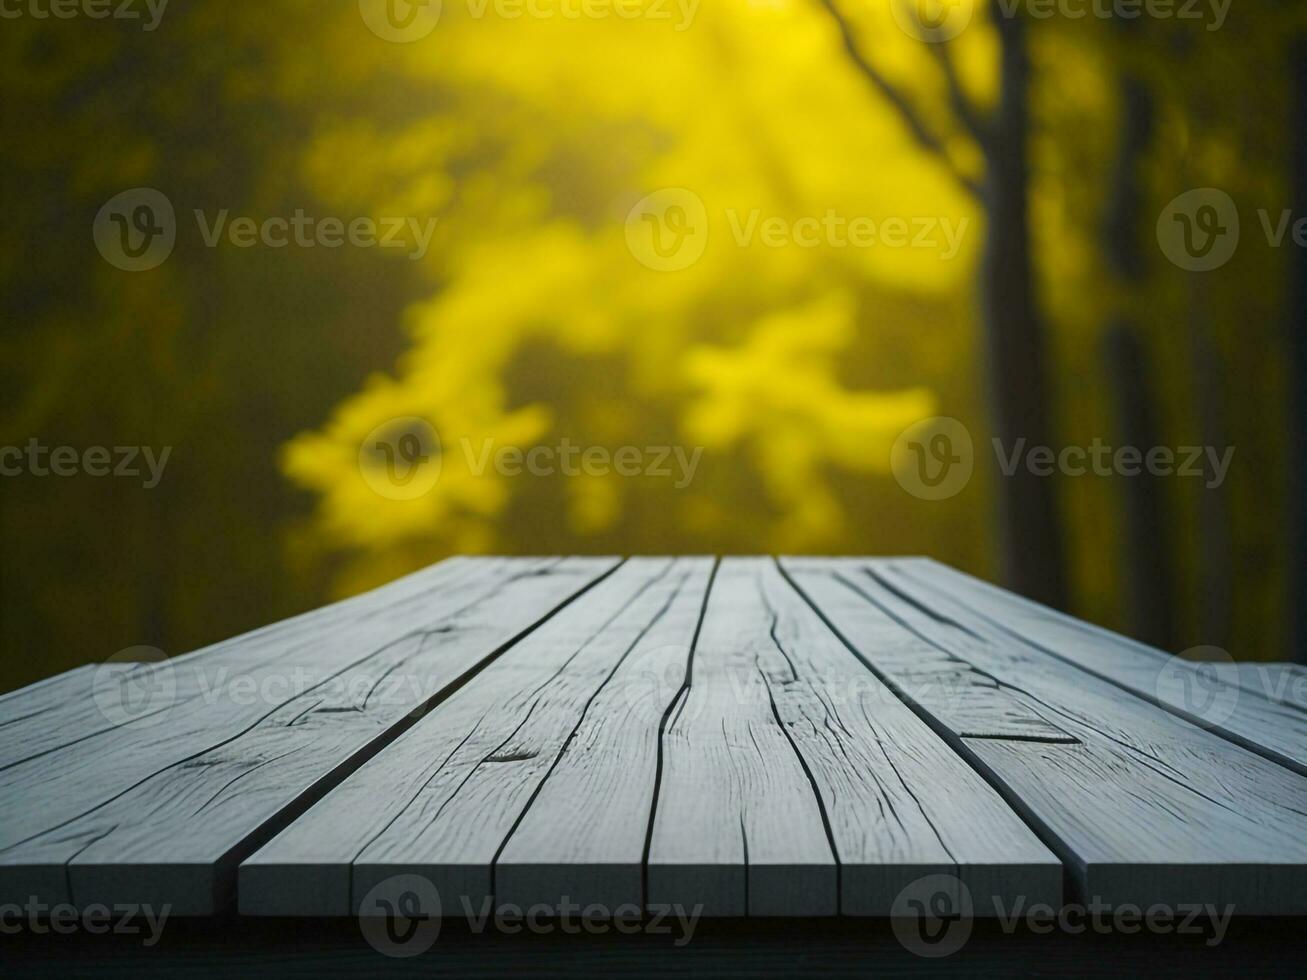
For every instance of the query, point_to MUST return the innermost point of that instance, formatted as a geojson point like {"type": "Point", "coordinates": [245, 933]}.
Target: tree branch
{"type": "Point", "coordinates": [963, 108]}
{"type": "Point", "coordinates": [906, 110]}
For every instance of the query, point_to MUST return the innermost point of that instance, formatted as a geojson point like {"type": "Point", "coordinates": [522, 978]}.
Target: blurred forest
{"type": "Point", "coordinates": [529, 320]}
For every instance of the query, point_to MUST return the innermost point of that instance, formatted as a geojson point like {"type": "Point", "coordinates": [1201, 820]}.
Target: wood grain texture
{"type": "Point", "coordinates": [583, 838]}
{"type": "Point", "coordinates": [1279, 682]}
{"type": "Point", "coordinates": [192, 684]}
{"type": "Point", "coordinates": [442, 799]}
{"type": "Point", "coordinates": [895, 801]}
{"type": "Point", "coordinates": [1251, 707]}
{"type": "Point", "coordinates": [760, 739]}
{"type": "Point", "coordinates": [1144, 807]}
{"type": "Point", "coordinates": [738, 828]}
{"type": "Point", "coordinates": [162, 809]}
{"type": "Point", "coordinates": [42, 695]}
{"type": "Point", "coordinates": [23, 731]}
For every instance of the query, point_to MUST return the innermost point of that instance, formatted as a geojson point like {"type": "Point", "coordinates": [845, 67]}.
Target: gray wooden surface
{"type": "Point", "coordinates": [161, 810]}
{"type": "Point", "coordinates": [23, 713]}
{"type": "Point", "coordinates": [1256, 707]}
{"type": "Point", "coordinates": [584, 835]}
{"type": "Point", "coordinates": [443, 799]}
{"type": "Point", "coordinates": [783, 730]}
{"type": "Point", "coordinates": [1144, 807]}
{"type": "Point", "coordinates": [813, 737]}
{"type": "Point", "coordinates": [1284, 683]}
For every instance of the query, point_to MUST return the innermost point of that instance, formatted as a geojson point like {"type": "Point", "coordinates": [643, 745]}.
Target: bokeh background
{"type": "Point", "coordinates": [1057, 142]}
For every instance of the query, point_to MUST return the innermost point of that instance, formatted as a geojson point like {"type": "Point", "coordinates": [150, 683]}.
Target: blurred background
{"type": "Point", "coordinates": [770, 235]}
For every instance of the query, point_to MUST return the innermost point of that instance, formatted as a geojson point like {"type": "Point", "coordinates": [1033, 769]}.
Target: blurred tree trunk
{"type": "Point", "coordinates": [1213, 547]}
{"type": "Point", "coordinates": [1029, 533]}
{"type": "Point", "coordinates": [1020, 405]}
{"type": "Point", "coordinates": [1148, 577]}
{"type": "Point", "coordinates": [1296, 442]}
{"type": "Point", "coordinates": [1147, 557]}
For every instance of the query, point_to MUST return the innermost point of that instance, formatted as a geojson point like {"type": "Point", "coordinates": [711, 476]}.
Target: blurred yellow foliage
{"type": "Point", "coordinates": [291, 381]}
{"type": "Point", "coordinates": [537, 138]}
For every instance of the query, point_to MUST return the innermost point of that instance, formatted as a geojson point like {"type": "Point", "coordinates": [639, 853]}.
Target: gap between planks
{"type": "Point", "coordinates": [1145, 809]}
{"type": "Point", "coordinates": [613, 775]}
{"type": "Point", "coordinates": [162, 813]}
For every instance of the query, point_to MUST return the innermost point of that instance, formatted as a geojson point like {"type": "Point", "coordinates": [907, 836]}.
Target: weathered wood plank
{"type": "Point", "coordinates": [442, 799]}
{"type": "Point", "coordinates": [583, 838]}
{"type": "Point", "coordinates": [24, 730]}
{"type": "Point", "coordinates": [162, 811]}
{"type": "Point", "coordinates": [44, 694]}
{"type": "Point", "coordinates": [968, 701]}
{"type": "Point", "coordinates": [895, 802]}
{"type": "Point", "coordinates": [1279, 682]}
{"type": "Point", "coordinates": [182, 685]}
{"type": "Point", "coordinates": [738, 828]}
{"type": "Point", "coordinates": [21, 711]}
{"type": "Point", "coordinates": [1144, 808]}
{"type": "Point", "coordinates": [1215, 695]}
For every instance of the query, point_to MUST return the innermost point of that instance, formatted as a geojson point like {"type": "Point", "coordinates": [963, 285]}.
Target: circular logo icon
{"type": "Point", "coordinates": [136, 230]}
{"type": "Point", "coordinates": [400, 916]}
{"type": "Point", "coordinates": [933, 915]}
{"type": "Point", "coordinates": [401, 21]}
{"type": "Point", "coordinates": [933, 459]}
{"type": "Point", "coordinates": [401, 459]}
{"type": "Point", "coordinates": [135, 686]}
{"type": "Point", "coordinates": [933, 20]}
{"type": "Point", "coordinates": [1202, 682]}
{"type": "Point", "coordinates": [668, 230]}
{"type": "Point", "coordinates": [1199, 229]}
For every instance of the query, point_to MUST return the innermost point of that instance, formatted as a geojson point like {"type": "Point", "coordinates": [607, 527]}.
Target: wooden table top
{"type": "Point", "coordinates": [744, 737]}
